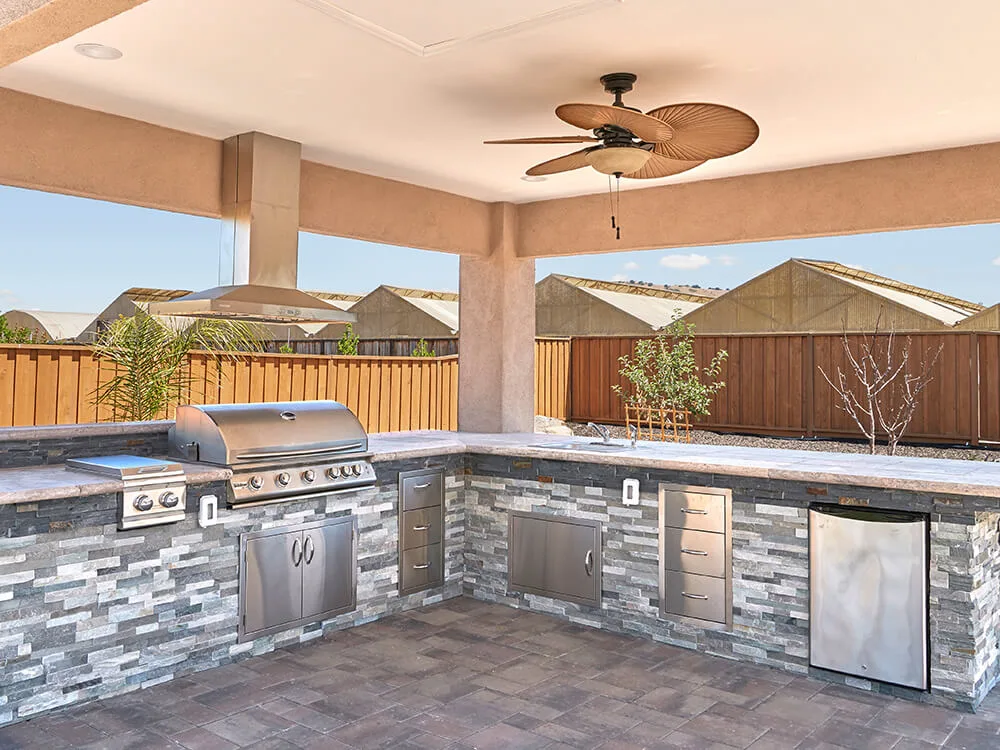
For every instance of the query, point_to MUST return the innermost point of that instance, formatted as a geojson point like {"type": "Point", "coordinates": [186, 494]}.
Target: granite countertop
{"type": "Point", "coordinates": [32, 484]}
{"type": "Point", "coordinates": [944, 476]}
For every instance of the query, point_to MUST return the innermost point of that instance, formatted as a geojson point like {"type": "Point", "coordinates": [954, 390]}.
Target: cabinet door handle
{"type": "Point", "coordinates": [701, 597]}
{"type": "Point", "coordinates": [310, 549]}
{"type": "Point", "coordinates": [588, 562]}
{"type": "Point", "coordinates": [695, 511]}
{"type": "Point", "coordinates": [296, 552]}
{"type": "Point", "coordinates": [422, 528]}
{"type": "Point", "coordinates": [423, 486]}
{"type": "Point", "coordinates": [422, 566]}
{"type": "Point", "coordinates": [694, 552]}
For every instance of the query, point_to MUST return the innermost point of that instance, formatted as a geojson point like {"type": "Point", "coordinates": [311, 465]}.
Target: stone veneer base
{"type": "Point", "coordinates": [88, 612]}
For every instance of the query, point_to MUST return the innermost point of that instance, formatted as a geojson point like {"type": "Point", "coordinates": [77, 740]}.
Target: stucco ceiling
{"type": "Point", "coordinates": [409, 90]}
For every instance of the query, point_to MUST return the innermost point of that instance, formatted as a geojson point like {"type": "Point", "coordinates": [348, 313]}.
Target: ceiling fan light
{"type": "Point", "coordinates": [618, 159]}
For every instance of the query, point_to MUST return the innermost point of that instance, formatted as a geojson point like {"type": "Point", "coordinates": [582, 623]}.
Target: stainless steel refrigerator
{"type": "Point", "coordinates": [868, 594]}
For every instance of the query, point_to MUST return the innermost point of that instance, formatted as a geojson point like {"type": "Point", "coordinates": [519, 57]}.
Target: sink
{"type": "Point", "coordinates": [590, 447]}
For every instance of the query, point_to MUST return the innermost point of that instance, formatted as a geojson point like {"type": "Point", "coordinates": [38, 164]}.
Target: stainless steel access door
{"type": "Point", "coordinates": [868, 594]}
{"type": "Point", "coordinates": [328, 568]}
{"type": "Point", "coordinates": [555, 556]}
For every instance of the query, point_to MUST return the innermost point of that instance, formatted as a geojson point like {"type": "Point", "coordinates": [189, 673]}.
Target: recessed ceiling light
{"type": "Point", "coordinates": [533, 177]}
{"type": "Point", "coordinates": [98, 51]}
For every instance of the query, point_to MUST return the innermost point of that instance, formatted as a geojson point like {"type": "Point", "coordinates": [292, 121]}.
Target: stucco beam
{"type": "Point", "coordinates": [947, 187]}
{"type": "Point", "coordinates": [54, 21]}
{"type": "Point", "coordinates": [59, 148]}
{"type": "Point", "coordinates": [350, 204]}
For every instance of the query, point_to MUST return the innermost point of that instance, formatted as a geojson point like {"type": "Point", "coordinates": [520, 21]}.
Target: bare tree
{"type": "Point", "coordinates": [881, 392]}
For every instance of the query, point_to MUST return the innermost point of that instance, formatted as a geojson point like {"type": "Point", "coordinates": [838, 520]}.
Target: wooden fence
{"type": "Point", "coordinates": [45, 385]}
{"type": "Point", "coordinates": [388, 347]}
{"type": "Point", "coordinates": [774, 385]}
{"type": "Point", "coordinates": [552, 362]}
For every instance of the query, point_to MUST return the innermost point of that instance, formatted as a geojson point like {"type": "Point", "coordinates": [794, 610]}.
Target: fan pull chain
{"type": "Point", "coordinates": [611, 201]}
{"type": "Point", "coordinates": [618, 207]}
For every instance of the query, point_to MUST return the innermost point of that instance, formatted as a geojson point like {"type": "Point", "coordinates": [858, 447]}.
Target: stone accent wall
{"type": "Point", "coordinates": [770, 565]}
{"type": "Point", "coordinates": [964, 597]}
{"type": "Point", "coordinates": [18, 453]}
{"type": "Point", "coordinates": [88, 611]}
{"type": "Point", "coordinates": [770, 568]}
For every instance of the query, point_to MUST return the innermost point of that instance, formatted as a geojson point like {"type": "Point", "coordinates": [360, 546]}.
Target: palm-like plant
{"type": "Point", "coordinates": [151, 363]}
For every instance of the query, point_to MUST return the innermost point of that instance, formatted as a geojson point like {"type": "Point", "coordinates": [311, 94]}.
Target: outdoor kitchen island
{"type": "Point", "coordinates": [90, 611]}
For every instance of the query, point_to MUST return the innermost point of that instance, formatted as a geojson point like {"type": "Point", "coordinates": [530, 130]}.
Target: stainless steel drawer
{"type": "Point", "coordinates": [694, 510]}
{"type": "Point", "coordinates": [420, 568]}
{"type": "Point", "coordinates": [690, 551]}
{"type": "Point", "coordinates": [422, 490]}
{"type": "Point", "coordinates": [692, 595]}
{"type": "Point", "coordinates": [420, 527]}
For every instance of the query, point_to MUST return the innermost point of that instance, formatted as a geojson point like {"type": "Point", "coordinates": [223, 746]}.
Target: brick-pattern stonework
{"type": "Point", "coordinates": [770, 565]}
{"type": "Point", "coordinates": [88, 611]}
{"type": "Point", "coordinates": [39, 452]}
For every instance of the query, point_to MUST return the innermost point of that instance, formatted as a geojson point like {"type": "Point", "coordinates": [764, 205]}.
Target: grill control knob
{"type": "Point", "coordinates": [283, 479]}
{"type": "Point", "coordinates": [169, 499]}
{"type": "Point", "coordinates": [357, 469]}
{"type": "Point", "coordinates": [345, 471]}
{"type": "Point", "coordinates": [333, 472]}
{"type": "Point", "coordinates": [308, 476]}
{"type": "Point", "coordinates": [256, 482]}
{"type": "Point", "coordinates": [143, 503]}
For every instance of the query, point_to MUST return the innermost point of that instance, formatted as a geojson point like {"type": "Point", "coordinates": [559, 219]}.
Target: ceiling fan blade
{"type": "Point", "coordinates": [590, 116]}
{"type": "Point", "coordinates": [662, 166]}
{"type": "Point", "coordinates": [552, 139]}
{"type": "Point", "coordinates": [561, 164]}
{"type": "Point", "coordinates": [704, 131]}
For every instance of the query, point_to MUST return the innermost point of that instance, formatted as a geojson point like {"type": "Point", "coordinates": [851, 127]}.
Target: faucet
{"type": "Point", "coordinates": [633, 433]}
{"type": "Point", "coordinates": [601, 430]}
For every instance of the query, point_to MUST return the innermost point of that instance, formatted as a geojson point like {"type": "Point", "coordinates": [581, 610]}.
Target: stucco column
{"type": "Point", "coordinates": [496, 365]}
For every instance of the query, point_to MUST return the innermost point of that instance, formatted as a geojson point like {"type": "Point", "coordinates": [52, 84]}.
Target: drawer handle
{"type": "Point", "coordinates": [588, 562]}
{"type": "Point", "coordinates": [423, 486]}
{"type": "Point", "coordinates": [701, 597]}
{"type": "Point", "coordinates": [700, 552]}
{"type": "Point", "coordinates": [422, 566]}
{"type": "Point", "coordinates": [694, 511]}
{"type": "Point", "coordinates": [422, 528]}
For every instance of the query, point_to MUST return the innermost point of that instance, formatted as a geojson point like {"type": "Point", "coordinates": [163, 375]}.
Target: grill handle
{"type": "Point", "coordinates": [293, 454]}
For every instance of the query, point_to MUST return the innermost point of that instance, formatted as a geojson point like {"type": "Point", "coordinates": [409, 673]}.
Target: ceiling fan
{"type": "Point", "coordinates": [665, 141]}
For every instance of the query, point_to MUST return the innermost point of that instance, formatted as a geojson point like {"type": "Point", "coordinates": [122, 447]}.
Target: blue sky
{"type": "Point", "coordinates": [75, 255]}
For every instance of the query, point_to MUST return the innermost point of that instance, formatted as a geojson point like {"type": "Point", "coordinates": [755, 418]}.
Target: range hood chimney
{"type": "Point", "coordinates": [258, 265]}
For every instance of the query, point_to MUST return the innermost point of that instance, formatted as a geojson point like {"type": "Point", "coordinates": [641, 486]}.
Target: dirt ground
{"type": "Point", "coordinates": [813, 444]}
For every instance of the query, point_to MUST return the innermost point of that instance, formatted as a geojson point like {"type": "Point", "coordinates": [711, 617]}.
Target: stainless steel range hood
{"type": "Point", "coordinates": [258, 266]}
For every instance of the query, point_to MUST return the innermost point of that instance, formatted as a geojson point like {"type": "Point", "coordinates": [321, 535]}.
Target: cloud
{"type": "Point", "coordinates": [633, 266]}
{"type": "Point", "coordinates": [727, 260]}
{"type": "Point", "coordinates": [619, 277]}
{"type": "Point", "coordinates": [687, 262]}
{"type": "Point", "coordinates": [996, 261]}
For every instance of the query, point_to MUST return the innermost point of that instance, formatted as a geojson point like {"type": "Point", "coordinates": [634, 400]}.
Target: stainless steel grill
{"type": "Point", "coordinates": [277, 451]}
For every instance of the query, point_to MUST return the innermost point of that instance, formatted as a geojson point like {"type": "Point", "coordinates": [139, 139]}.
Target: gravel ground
{"type": "Point", "coordinates": [830, 446]}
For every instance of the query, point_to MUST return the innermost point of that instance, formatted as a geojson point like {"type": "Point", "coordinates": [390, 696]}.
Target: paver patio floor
{"type": "Point", "coordinates": [467, 674]}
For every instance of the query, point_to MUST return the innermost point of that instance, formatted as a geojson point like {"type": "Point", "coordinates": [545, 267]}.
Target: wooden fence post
{"type": "Point", "coordinates": [809, 386]}
{"type": "Point", "coordinates": [977, 428]}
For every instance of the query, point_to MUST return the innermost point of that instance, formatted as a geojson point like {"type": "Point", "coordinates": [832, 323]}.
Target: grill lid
{"type": "Point", "coordinates": [234, 434]}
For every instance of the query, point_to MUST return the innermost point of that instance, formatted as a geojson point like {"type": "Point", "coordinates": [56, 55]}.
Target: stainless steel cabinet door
{"type": "Point", "coordinates": [527, 552]}
{"type": "Point", "coordinates": [571, 561]}
{"type": "Point", "coordinates": [273, 579]}
{"type": "Point", "coordinates": [328, 568]}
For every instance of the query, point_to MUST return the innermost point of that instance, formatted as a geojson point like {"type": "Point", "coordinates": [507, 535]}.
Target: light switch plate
{"type": "Point", "coordinates": [630, 492]}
